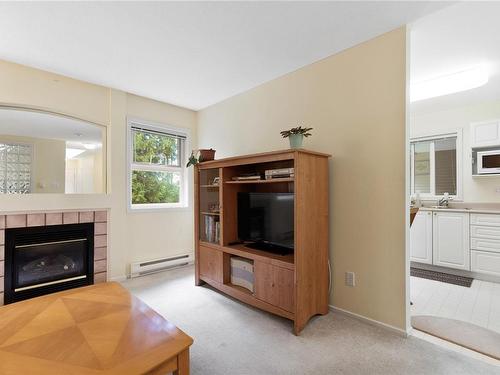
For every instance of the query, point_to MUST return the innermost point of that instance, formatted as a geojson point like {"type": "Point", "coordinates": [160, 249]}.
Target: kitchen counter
{"type": "Point", "coordinates": [471, 209]}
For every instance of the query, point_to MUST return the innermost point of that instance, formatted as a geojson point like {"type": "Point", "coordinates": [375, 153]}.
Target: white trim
{"type": "Point", "coordinates": [184, 203]}
{"type": "Point", "coordinates": [432, 168]}
{"type": "Point", "coordinates": [408, 187]}
{"type": "Point", "coordinates": [118, 278]}
{"type": "Point", "coordinates": [373, 322]}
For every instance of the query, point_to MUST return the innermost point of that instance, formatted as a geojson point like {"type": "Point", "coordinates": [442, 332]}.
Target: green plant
{"type": "Point", "coordinates": [193, 159]}
{"type": "Point", "coordinates": [297, 130]}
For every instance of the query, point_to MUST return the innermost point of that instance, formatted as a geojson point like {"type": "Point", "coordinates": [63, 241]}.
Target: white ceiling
{"type": "Point", "coordinates": [45, 125]}
{"type": "Point", "coordinates": [192, 54]}
{"type": "Point", "coordinates": [453, 39]}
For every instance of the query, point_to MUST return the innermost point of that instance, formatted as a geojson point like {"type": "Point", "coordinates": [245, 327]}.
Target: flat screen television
{"type": "Point", "coordinates": [266, 220]}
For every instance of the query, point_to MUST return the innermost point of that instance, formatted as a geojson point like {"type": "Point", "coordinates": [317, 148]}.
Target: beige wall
{"type": "Point", "coordinates": [133, 236]}
{"type": "Point", "coordinates": [48, 163]}
{"type": "Point", "coordinates": [475, 189]}
{"type": "Point", "coordinates": [355, 101]}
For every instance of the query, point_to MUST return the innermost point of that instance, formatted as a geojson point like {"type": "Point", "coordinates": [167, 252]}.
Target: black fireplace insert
{"type": "Point", "coordinates": [42, 260]}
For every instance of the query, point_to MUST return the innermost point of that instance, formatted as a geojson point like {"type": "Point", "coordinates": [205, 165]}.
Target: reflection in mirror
{"type": "Point", "coordinates": [41, 152]}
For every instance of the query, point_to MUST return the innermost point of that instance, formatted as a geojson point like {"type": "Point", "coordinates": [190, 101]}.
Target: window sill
{"type": "Point", "coordinates": [157, 208]}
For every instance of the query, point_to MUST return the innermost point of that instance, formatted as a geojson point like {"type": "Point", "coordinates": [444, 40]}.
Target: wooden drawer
{"type": "Point", "coordinates": [492, 233]}
{"type": "Point", "coordinates": [211, 263]}
{"type": "Point", "coordinates": [491, 220]}
{"type": "Point", "coordinates": [485, 245]}
{"type": "Point", "coordinates": [275, 285]}
{"type": "Point", "coordinates": [485, 262]}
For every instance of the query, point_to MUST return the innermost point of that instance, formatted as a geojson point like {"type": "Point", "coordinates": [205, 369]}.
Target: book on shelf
{"type": "Point", "coordinates": [247, 177]}
{"type": "Point", "coordinates": [212, 229]}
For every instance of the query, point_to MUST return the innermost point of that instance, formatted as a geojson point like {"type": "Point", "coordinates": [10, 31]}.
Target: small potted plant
{"type": "Point", "coordinates": [296, 135]}
{"type": "Point", "coordinates": [197, 156]}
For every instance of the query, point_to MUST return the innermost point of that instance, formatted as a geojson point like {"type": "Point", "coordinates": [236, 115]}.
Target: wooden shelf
{"type": "Point", "coordinates": [215, 245]}
{"type": "Point", "coordinates": [239, 288]}
{"type": "Point", "coordinates": [248, 297]}
{"type": "Point", "coordinates": [274, 180]}
{"type": "Point", "coordinates": [294, 286]}
{"type": "Point", "coordinates": [285, 261]}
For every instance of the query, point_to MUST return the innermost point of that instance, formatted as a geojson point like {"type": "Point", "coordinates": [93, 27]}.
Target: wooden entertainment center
{"type": "Point", "coordinates": [294, 286]}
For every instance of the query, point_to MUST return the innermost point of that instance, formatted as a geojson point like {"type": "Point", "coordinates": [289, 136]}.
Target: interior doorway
{"type": "Point", "coordinates": [454, 179]}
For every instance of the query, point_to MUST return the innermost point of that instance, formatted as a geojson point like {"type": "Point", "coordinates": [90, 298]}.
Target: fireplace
{"type": "Point", "coordinates": [42, 260]}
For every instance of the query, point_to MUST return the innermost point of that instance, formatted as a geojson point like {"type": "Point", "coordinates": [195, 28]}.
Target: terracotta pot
{"type": "Point", "coordinates": [206, 155]}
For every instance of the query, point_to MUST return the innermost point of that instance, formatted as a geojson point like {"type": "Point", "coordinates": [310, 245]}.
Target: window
{"type": "Point", "coordinates": [157, 171]}
{"type": "Point", "coordinates": [15, 168]}
{"type": "Point", "coordinates": [435, 166]}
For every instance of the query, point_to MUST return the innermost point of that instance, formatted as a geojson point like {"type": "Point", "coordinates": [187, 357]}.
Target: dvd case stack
{"type": "Point", "coordinates": [212, 229]}
{"type": "Point", "coordinates": [242, 272]}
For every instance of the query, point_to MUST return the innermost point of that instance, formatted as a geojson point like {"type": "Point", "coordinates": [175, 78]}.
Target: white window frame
{"type": "Point", "coordinates": [433, 137]}
{"type": "Point", "coordinates": [131, 166]}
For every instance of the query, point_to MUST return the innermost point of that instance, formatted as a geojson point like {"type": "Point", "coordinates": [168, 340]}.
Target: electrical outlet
{"type": "Point", "coordinates": [350, 279]}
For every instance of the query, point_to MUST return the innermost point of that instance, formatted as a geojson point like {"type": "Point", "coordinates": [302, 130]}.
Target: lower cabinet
{"type": "Point", "coordinates": [421, 238]}
{"type": "Point", "coordinates": [274, 285]}
{"type": "Point", "coordinates": [485, 262]}
{"type": "Point", "coordinates": [211, 263]}
{"type": "Point", "coordinates": [450, 245]}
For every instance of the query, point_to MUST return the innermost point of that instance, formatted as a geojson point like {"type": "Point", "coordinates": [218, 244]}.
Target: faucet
{"type": "Point", "coordinates": [443, 202]}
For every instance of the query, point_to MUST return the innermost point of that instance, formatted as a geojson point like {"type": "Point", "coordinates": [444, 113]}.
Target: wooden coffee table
{"type": "Point", "coordinates": [100, 329]}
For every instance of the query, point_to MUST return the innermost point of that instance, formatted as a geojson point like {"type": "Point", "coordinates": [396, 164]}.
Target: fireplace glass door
{"type": "Point", "coordinates": [41, 260]}
{"type": "Point", "coordinates": [43, 263]}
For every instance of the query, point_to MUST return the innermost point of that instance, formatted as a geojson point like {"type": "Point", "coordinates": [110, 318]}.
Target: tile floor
{"type": "Point", "coordinates": [479, 304]}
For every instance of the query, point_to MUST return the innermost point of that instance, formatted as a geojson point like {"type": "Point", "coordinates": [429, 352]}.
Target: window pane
{"type": "Point", "coordinates": [422, 167]}
{"type": "Point", "coordinates": [156, 149]}
{"type": "Point", "coordinates": [155, 187]}
{"type": "Point", "coordinates": [446, 166]}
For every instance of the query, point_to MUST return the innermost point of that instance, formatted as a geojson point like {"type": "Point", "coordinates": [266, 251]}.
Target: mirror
{"type": "Point", "coordinates": [42, 152]}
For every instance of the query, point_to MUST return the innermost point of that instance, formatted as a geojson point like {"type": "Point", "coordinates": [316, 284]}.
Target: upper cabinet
{"type": "Point", "coordinates": [485, 134]}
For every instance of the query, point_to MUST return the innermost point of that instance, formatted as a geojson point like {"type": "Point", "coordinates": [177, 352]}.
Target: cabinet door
{"type": "Point", "coordinates": [211, 263]}
{"type": "Point", "coordinates": [274, 285]}
{"type": "Point", "coordinates": [451, 240]}
{"type": "Point", "coordinates": [421, 238]}
{"type": "Point", "coordinates": [485, 134]}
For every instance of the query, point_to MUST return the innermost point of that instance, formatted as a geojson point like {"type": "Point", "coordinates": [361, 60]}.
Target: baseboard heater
{"type": "Point", "coordinates": [157, 265]}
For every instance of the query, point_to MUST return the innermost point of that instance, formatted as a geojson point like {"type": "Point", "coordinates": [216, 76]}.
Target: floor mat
{"type": "Point", "coordinates": [443, 277]}
{"type": "Point", "coordinates": [465, 334]}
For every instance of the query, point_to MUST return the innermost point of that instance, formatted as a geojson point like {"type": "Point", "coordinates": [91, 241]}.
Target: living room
{"type": "Point", "coordinates": [152, 293]}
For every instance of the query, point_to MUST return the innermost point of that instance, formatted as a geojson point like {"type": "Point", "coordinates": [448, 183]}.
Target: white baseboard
{"type": "Point", "coordinates": [118, 278]}
{"type": "Point", "coordinates": [370, 321]}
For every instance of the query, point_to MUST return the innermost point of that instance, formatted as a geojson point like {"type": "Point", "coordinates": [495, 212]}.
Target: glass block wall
{"type": "Point", "coordinates": [15, 168]}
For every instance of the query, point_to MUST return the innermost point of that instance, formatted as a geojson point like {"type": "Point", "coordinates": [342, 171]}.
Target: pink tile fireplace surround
{"type": "Point", "coordinates": [99, 218]}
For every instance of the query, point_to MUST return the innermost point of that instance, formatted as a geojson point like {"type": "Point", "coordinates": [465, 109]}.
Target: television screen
{"type": "Point", "coordinates": [266, 218]}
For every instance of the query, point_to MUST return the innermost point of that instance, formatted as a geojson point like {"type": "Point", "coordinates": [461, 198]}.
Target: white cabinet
{"type": "Point", "coordinates": [421, 238]}
{"type": "Point", "coordinates": [490, 220]}
{"type": "Point", "coordinates": [484, 134]}
{"type": "Point", "coordinates": [485, 262]}
{"type": "Point", "coordinates": [451, 240]}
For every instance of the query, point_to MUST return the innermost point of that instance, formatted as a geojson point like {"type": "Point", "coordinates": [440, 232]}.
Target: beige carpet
{"type": "Point", "coordinates": [231, 338]}
{"type": "Point", "coordinates": [466, 334]}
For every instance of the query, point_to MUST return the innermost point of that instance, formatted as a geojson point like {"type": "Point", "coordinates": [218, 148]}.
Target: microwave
{"type": "Point", "coordinates": [488, 162]}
